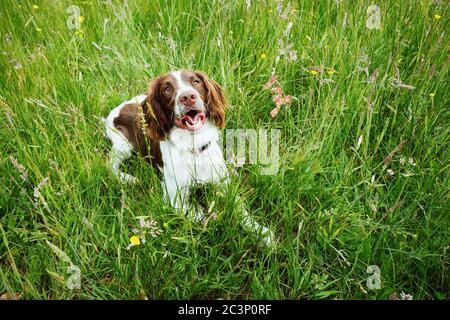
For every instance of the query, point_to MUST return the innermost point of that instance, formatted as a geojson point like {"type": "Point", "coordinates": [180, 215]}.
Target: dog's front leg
{"type": "Point", "coordinates": [116, 156]}
{"type": "Point", "coordinates": [177, 194]}
{"type": "Point", "coordinates": [249, 223]}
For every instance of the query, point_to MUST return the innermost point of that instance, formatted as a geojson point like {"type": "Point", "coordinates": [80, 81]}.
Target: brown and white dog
{"type": "Point", "coordinates": [177, 124]}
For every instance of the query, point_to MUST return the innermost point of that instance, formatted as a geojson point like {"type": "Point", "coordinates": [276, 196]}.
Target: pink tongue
{"type": "Point", "coordinates": [198, 117]}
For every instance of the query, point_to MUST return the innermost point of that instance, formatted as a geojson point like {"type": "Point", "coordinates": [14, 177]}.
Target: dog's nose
{"type": "Point", "coordinates": [188, 98]}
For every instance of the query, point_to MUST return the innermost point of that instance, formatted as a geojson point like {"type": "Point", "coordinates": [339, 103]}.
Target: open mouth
{"type": "Point", "coordinates": [193, 120]}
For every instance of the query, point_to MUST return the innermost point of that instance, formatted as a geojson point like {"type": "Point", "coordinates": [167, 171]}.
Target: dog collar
{"type": "Point", "coordinates": [201, 149]}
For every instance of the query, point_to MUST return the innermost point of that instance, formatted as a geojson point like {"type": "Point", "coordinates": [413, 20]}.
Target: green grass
{"type": "Point", "coordinates": [334, 206]}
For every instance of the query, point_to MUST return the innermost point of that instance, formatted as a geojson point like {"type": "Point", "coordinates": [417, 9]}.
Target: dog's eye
{"type": "Point", "coordinates": [167, 89]}
{"type": "Point", "coordinates": [196, 81]}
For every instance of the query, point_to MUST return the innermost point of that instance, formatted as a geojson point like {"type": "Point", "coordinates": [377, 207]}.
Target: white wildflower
{"type": "Point", "coordinates": [406, 296]}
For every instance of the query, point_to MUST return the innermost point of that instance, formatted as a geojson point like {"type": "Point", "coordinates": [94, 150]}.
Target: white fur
{"type": "Point", "coordinates": [182, 88]}
{"type": "Point", "coordinates": [184, 163]}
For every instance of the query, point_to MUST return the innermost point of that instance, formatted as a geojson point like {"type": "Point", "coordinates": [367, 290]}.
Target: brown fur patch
{"type": "Point", "coordinates": [214, 99]}
{"type": "Point", "coordinates": [159, 106]}
{"type": "Point", "coordinates": [128, 123]}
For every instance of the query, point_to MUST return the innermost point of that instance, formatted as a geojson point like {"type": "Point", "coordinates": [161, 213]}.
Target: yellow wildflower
{"type": "Point", "coordinates": [314, 72]}
{"type": "Point", "coordinates": [81, 19]}
{"type": "Point", "coordinates": [135, 241]}
{"type": "Point", "coordinates": [35, 7]}
{"type": "Point", "coordinates": [79, 32]}
{"type": "Point", "coordinates": [263, 56]}
{"type": "Point", "coordinates": [437, 16]}
{"type": "Point", "coordinates": [331, 72]}
{"type": "Point", "coordinates": [431, 95]}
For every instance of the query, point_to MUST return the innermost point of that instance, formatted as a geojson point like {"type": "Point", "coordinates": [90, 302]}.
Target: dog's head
{"type": "Point", "coordinates": [184, 99]}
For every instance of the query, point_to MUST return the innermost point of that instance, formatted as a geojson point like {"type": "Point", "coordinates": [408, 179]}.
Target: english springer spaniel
{"type": "Point", "coordinates": [176, 125]}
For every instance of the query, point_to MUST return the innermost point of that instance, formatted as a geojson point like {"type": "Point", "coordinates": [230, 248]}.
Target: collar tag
{"type": "Point", "coordinates": [201, 149]}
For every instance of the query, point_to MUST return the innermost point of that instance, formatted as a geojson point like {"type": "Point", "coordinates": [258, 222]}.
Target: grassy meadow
{"type": "Point", "coordinates": [364, 150]}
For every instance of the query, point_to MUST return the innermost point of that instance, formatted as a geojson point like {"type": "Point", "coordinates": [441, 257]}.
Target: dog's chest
{"type": "Point", "coordinates": [193, 158]}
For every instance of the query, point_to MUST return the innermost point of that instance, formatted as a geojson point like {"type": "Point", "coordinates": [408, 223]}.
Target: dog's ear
{"type": "Point", "coordinates": [157, 115]}
{"type": "Point", "coordinates": [215, 100]}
